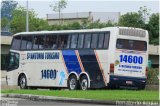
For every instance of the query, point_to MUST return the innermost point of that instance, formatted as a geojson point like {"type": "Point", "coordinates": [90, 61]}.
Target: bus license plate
{"type": "Point", "coordinates": [129, 82]}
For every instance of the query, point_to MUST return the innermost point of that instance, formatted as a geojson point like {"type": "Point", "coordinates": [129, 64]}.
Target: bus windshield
{"type": "Point", "coordinates": [131, 44]}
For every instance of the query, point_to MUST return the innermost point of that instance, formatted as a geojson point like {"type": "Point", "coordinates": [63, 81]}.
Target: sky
{"type": "Point", "coordinates": [42, 7]}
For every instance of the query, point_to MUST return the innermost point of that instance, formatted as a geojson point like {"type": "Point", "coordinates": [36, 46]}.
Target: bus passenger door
{"type": "Point", "coordinates": [13, 68]}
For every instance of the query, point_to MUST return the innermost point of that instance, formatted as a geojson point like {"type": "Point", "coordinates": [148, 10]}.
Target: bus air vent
{"type": "Point", "coordinates": [132, 32]}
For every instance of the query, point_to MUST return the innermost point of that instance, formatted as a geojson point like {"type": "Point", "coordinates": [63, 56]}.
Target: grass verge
{"type": "Point", "coordinates": [129, 95]}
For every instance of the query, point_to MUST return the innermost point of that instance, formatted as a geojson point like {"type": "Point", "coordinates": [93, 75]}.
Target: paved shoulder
{"type": "Point", "coordinates": [26, 102]}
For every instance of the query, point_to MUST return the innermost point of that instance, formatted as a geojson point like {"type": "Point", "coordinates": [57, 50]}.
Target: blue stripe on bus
{"type": "Point", "coordinates": [71, 61]}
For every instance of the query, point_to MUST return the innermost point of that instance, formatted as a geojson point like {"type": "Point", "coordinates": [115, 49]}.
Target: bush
{"type": "Point", "coordinates": [153, 76]}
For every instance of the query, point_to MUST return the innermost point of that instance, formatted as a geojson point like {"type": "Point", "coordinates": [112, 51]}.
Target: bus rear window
{"type": "Point", "coordinates": [131, 44]}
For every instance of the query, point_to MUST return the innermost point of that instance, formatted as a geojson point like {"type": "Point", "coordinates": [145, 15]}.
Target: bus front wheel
{"type": "Point", "coordinates": [23, 82]}
{"type": "Point", "coordinates": [73, 82]}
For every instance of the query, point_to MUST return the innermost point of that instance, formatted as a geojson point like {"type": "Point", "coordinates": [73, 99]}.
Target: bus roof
{"type": "Point", "coordinates": [74, 31]}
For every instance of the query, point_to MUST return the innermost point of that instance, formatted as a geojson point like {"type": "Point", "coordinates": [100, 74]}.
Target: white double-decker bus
{"type": "Point", "coordinates": [90, 58]}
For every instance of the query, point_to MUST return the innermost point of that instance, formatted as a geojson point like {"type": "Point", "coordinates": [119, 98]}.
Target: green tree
{"type": "Point", "coordinates": [153, 28]}
{"type": "Point", "coordinates": [110, 24]}
{"type": "Point", "coordinates": [4, 22]}
{"type": "Point", "coordinates": [144, 12]}
{"type": "Point", "coordinates": [74, 26]}
{"type": "Point", "coordinates": [69, 26]}
{"type": "Point", "coordinates": [131, 19]}
{"type": "Point", "coordinates": [85, 23]}
{"type": "Point", "coordinates": [98, 24]}
{"type": "Point", "coordinates": [139, 20]}
{"type": "Point", "coordinates": [7, 7]}
{"type": "Point", "coordinates": [59, 6]}
{"type": "Point", "coordinates": [18, 23]}
{"type": "Point", "coordinates": [135, 19]}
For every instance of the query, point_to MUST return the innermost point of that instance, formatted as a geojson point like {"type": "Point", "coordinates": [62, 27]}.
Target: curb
{"type": "Point", "coordinates": [61, 99]}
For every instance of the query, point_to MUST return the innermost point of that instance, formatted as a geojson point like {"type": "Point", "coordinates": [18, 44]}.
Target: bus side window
{"type": "Point", "coordinates": [68, 41]}
{"type": "Point", "coordinates": [101, 40]}
{"type": "Point", "coordinates": [80, 41]}
{"type": "Point", "coordinates": [35, 42]}
{"type": "Point", "coordinates": [106, 40]}
{"type": "Point", "coordinates": [58, 42]}
{"type": "Point", "coordinates": [24, 43]}
{"type": "Point", "coordinates": [41, 40]}
{"type": "Point", "coordinates": [29, 42]}
{"type": "Point", "coordinates": [38, 42]}
{"type": "Point", "coordinates": [49, 41]}
{"type": "Point", "coordinates": [63, 41]}
{"type": "Point", "coordinates": [46, 43]}
{"type": "Point", "coordinates": [16, 43]}
{"type": "Point", "coordinates": [53, 41]}
{"type": "Point", "coordinates": [87, 41]}
{"type": "Point", "coordinates": [94, 40]}
{"type": "Point", "coordinates": [74, 40]}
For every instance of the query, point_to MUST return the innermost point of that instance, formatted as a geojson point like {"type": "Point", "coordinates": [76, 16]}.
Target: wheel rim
{"type": "Point", "coordinates": [72, 84]}
{"type": "Point", "coordinates": [23, 83]}
{"type": "Point", "coordinates": [84, 84]}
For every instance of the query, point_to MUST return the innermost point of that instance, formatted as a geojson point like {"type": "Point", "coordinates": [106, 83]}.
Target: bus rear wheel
{"type": "Point", "coordinates": [84, 82]}
{"type": "Point", "coordinates": [23, 82]}
{"type": "Point", "coordinates": [73, 82]}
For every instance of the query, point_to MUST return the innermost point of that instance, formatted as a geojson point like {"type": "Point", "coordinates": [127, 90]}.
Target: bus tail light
{"type": "Point", "coordinates": [112, 68]}
{"type": "Point", "coordinates": [146, 71]}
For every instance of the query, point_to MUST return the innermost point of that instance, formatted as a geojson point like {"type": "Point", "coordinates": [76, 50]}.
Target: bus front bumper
{"type": "Point", "coordinates": [126, 82]}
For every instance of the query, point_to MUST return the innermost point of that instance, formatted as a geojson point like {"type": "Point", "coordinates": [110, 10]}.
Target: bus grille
{"type": "Point", "coordinates": [132, 32]}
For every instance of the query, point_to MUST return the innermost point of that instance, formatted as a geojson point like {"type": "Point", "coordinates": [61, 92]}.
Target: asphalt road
{"type": "Point", "coordinates": [24, 102]}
